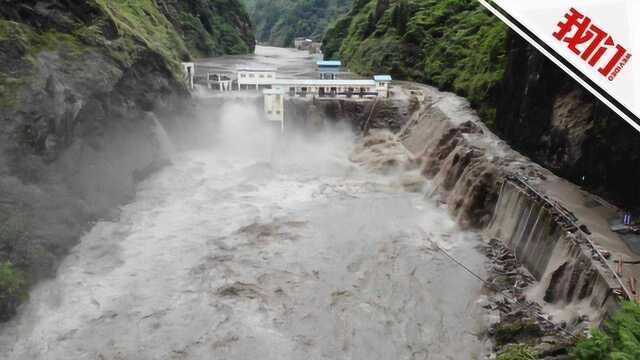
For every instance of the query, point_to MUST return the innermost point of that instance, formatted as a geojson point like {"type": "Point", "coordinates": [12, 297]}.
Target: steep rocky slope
{"type": "Point", "coordinates": [279, 22]}
{"type": "Point", "coordinates": [457, 46]}
{"type": "Point", "coordinates": [545, 114]}
{"type": "Point", "coordinates": [211, 27]}
{"type": "Point", "coordinates": [80, 86]}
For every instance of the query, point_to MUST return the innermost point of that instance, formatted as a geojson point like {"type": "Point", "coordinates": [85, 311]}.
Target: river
{"type": "Point", "coordinates": [261, 247]}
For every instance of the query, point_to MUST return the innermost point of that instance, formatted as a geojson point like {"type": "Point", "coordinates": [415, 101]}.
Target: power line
{"type": "Point", "coordinates": [495, 288]}
{"type": "Point", "coordinates": [467, 269]}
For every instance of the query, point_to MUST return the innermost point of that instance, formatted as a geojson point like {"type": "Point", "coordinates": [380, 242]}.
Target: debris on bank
{"type": "Point", "coordinates": [514, 321]}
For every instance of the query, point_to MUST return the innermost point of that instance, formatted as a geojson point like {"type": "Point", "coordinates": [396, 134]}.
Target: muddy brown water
{"type": "Point", "coordinates": [261, 248]}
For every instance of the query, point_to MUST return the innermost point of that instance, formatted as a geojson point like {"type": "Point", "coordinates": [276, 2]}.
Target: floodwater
{"type": "Point", "coordinates": [261, 247]}
{"type": "Point", "coordinates": [288, 62]}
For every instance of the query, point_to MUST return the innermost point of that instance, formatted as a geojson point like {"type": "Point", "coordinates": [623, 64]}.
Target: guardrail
{"type": "Point", "coordinates": [571, 220]}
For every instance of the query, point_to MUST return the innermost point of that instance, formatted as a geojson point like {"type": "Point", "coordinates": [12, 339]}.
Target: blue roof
{"type": "Point", "coordinates": [333, 63]}
{"type": "Point", "coordinates": [382, 77]}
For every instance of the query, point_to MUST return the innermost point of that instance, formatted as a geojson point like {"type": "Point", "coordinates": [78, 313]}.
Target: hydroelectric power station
{"type": "Point", "coordinates": [331, 82]}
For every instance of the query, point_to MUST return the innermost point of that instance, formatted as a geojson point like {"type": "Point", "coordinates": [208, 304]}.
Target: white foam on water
{"type": "Point", "coordinates": [260, 247]}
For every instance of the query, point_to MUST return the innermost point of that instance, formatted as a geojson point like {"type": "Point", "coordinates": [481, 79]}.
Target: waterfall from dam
{"type": "Point", "coordinates": [259, 247]}
{"type": "Point", "coordinates": [569, 284]}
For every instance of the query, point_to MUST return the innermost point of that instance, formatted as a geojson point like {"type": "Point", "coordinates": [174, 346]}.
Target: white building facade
{"type": "Point", "coordinates": [274, 105]}
{"type": "Point", "coordinates": [383, 84]}
{"type": "Point", "coordinates": [326, 88]}
{"type": "Point", "coordinates": [254, 77]}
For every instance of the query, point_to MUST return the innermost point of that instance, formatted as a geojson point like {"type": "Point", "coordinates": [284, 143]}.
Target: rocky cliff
{"type": "Point", "coordinates": [81, 84]}
{"type": "Point", "coordinates": [547, 115]}
{"type": "Point", "coordinates": [211, 27]}
{"type": "Point", "coordinates": [457, 46]}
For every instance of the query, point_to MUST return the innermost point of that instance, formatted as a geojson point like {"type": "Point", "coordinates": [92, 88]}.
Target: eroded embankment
{"type": "Point", "coordinates": [570, 274]}
{"type": "Point", "coordinates": [476, 175]}
{"type": "Point", "coordinates": [473, 170]}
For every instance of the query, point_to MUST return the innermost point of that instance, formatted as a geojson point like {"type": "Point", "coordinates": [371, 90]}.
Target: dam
{"type": "Point", "coordinates": [321, 244]}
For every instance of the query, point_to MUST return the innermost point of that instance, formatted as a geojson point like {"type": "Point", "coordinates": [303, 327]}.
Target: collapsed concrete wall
{"type": "Point", "coordinates": [560, 260]}
{"type": "Point", "coordinates": [468, 166]}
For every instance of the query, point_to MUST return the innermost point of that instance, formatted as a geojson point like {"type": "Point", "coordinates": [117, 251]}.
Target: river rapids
{"type": "Point", "coordinates": [261, 247]}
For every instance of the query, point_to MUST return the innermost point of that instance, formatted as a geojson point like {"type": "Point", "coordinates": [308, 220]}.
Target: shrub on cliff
{"type": "Point", "coordinates": [619, 339]}
{"type": "Point", "coordinates": [518, 352]}
{"type": "Point", "coordinates": [13, 289]}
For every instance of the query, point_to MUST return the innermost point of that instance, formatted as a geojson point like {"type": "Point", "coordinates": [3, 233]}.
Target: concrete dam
{"type": "Point", "coordinates": [393, 228]}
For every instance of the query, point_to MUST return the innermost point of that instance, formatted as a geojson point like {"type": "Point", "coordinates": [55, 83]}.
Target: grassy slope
{"type": "Point", "coordinates": [140, 25]}
{"type": "Point", "coordinates": [142, 20]}
{"type": "Point", "coordinates": [452, 44]}
{"type": "Point", "coordinates": [212, 27]}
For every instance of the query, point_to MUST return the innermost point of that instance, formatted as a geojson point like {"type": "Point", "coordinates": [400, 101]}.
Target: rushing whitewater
{"type": "Point", "coordinates": [261, 247]}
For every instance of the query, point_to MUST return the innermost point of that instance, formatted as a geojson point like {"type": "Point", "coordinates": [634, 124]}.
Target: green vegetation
{"type": "Point", "coordinates": [279, 22]}
{"type": "Point", "coordinates": [179, 30]}
{"type": "Point", "coordinates": [619, 340]}
{"type": "Point", "coordinates": [13, 282]}
{"type": "Point", "coordinates": [518, 352]}
{"type": "Point", "coordinates": [510, 331]}
{"type": "Point", "coordinates": [142, 20]}
{"type": "Point", "coordinates": [455, 45]}
{"type": "Point", "coordinates": [27, 41]}
{"type": "Point", "coordinates": [212, 27]}
{"type": "Point", "coordinates": [9, 88]}
{"type": "Point", "coordinates": [123, 30]}
{"type": "Point", "coordinates": [13, 289]}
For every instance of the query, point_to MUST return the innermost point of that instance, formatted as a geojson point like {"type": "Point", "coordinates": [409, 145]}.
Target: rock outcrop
{"type": "Point", "coordinates": [548, 116]}
{"type": "Point", "coordinates": [81, 84]}
{"type": "Point", "coordinates": [211, 27]}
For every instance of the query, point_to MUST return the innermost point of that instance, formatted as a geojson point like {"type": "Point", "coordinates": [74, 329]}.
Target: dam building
{"type": "Point", "coordinates": [261, 78]}
{"type": "Point", "coordinates": [220, 81]}
{"type": "Point", "coordinates": [329, 69]}
{"type": "Point", "coordinates": [383, 84]}
{"type": "Point", "coordinates": [255, 77]}
{"type": "Point", "coordinates": [274, 105]}
{"type": "Point", "coordinates": [327, 88]}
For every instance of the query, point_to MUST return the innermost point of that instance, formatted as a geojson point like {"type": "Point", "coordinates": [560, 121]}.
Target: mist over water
{"type": "Point", "coordinates": [260, 246]}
